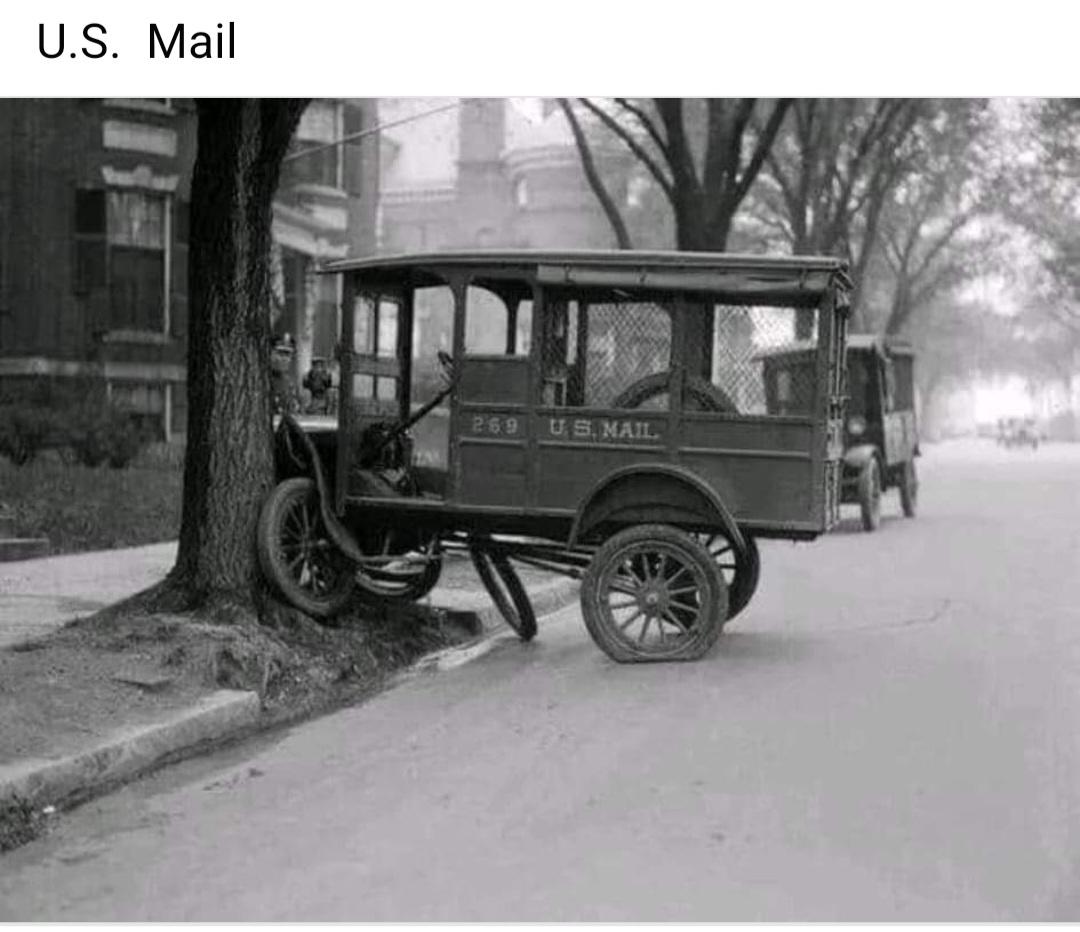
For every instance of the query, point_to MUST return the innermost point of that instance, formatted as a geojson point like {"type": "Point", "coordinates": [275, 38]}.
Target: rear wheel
{"type": "Point", "coordinates": [653, 593]}
{"type": "Point", "coordinates": [741, 572]}
{"type": "Point", "coordinates": [909, 490]}
{"type": "Point", "coordinates": [870, 495]}
{"type": "Point", "coordinates": [506, 590]}
{"type": "Point", "coordinates": [296, 552]}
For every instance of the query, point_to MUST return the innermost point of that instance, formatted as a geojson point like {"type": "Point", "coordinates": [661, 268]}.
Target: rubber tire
{"type": "Point", "coordinates": [513, 603]}
{"type": "Point", "coordinates": [707, 395]}
{"type": "Point", "coordinates": [909, 490]}
{"type": "Point", "coordinates": [870, 495]}
{"type": "Point", "coordinates": [591, 596]}
{"type": "Point", "coordinates": [739, 595]}
{"type": "Point", "coordinates": [268, 539]}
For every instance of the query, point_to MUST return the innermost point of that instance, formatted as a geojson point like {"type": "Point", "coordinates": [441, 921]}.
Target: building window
{"type": "Point", "coordinates": [314, 155]}
{"type": "Point", "coordinates": [137, 239]}
{"type": "Point", "coordinates": [122, 244]}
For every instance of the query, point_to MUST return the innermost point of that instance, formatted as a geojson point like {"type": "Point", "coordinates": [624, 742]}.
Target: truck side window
{"type": "Point", "coordinates": [889, 386]}
{"type": "Point", "coordinates": [496, 325]}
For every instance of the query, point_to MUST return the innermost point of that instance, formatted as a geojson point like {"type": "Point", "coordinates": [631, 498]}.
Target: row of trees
{"type": "Point", "coordinates": [893, 185]}
{"type": "Point", "coordinates": [921, 196]}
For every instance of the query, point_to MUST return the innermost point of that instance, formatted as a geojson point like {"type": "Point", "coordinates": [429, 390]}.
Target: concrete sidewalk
{"type": "Point", "coordinates": [39, 596]}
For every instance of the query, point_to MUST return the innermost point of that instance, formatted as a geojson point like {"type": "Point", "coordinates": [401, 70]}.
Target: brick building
{"type": "Point", "coordinates": [93, 240]}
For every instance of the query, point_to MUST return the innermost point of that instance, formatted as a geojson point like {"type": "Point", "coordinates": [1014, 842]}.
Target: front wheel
{"type": "Point", "coordinates": [296, 552]}
{"type": "Point", "coordinates": [506, 590]}
{"type": "Point", "coordinates": [870, 495]}
{"type": "Point", "coordinates": [652, 593]}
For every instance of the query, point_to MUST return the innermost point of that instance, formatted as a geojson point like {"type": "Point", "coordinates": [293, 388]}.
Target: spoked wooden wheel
{"type": "Point", "coordinates": [653, 593]}
{"type": "Point", "coordinates": [406, 580]}
{"type": "Point", "coordinates": [505, 588]}
{"type": "Point", "coordinates": [297, 554]}
{"type": "Point", "coordinates": [740, 571]}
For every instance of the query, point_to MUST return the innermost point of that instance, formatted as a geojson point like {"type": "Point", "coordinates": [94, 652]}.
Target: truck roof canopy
{"type": "Point", "coordinates": [794, 280]}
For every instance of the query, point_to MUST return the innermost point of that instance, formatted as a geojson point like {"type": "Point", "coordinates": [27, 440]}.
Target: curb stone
{"type": "Point", "coordinates": [222, 715]}
{"type": "Point", "coordinates": [128, 752]}
{"type": "Point", "coordinates": [547, 600]}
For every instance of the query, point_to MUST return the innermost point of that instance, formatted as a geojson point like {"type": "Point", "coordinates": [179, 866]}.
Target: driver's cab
{"type": "Point", "coordinates": [414, 354]}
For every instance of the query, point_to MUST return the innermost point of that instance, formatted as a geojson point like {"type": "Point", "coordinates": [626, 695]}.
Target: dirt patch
{"type": "Point", "coordinates": [72, 689]}
{"type": "Point", "coordinates": [69, 690]}
{"type": "Point", "coordinates": [121, 668]}
{"type": "Point", "coordinates": [19, 823]}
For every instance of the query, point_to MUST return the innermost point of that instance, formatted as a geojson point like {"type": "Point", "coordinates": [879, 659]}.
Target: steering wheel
{"type": "Point", "coordinates": [707, 396]}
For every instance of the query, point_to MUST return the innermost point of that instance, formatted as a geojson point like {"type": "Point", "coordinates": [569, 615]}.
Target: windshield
{"type": "Point", "coordinates": [860, 384]}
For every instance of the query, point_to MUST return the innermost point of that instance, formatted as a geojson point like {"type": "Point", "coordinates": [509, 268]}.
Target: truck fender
{"type": "Point", "coordinates": [298, 446]}
{"type": "Point", "coordinates": [612, 494]}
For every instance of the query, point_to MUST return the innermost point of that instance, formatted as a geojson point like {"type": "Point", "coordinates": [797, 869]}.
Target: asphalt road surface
{"type": "Point", "coordinates": [891, 731]}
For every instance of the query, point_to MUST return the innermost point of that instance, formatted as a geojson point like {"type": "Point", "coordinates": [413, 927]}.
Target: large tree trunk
{"type": "Point", "coordinates": [228, 468]}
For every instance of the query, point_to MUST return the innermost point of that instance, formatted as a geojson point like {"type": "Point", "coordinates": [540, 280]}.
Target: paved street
{"type": "Point", "coordinates": [892, 731]}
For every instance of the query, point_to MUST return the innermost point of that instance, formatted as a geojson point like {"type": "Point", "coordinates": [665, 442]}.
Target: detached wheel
{"type": "Point", "coordinates": [741, 572]}
{"type": "Point", "coordinates": [297, 554]}
{"type": "Point", "coordinates": [870, 495]}
{"type": "Point", "coordinates": [909, 490]}
{"type": "Point", "coordinates": [653, 593]}
{"type": "Point", "coordinates": [506, 590]}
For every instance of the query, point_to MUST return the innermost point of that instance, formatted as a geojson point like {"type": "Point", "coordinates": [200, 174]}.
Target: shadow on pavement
{"type": "Point", "coordinates": [854, 525]}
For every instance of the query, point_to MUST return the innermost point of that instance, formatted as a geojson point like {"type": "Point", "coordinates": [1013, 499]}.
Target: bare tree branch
{"type": "Point", "coordinates": [632, 144]}
{"type": "Point", "coordinates": [588, 165]}
{"type": "Point", "coordinates": [764, 144]}
{"type": "Point", "coordinates": [646, 123]}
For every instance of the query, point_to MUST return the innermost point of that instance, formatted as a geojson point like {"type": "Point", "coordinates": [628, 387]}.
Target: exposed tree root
{"type": "Point", "coordinates": [256, 642]}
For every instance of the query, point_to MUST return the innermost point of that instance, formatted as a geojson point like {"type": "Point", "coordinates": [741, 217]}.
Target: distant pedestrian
{"type": "Point", "coordinates": [283, 393]}
{"type": "Point", "coordinates": [319, 383]}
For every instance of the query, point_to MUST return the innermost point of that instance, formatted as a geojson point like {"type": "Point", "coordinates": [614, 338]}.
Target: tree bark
{"type": "Point", "coordinates": [228, 466]}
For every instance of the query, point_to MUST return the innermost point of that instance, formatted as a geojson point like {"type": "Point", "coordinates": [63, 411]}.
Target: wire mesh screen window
{"type": "Point", "coordinates": [596, 355]}
{"type": "Point", "coordinates": [762, 360]}
{"type": "Point", "coordinates": [740, 360]}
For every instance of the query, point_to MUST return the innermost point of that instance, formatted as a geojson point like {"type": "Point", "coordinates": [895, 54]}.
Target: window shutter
{"type": "Point", "coordinates": [90, 211]}
{"type": "Point", "coordinates": [91, 256]}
